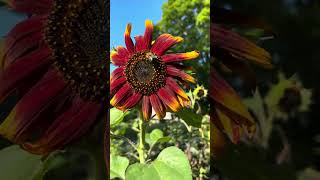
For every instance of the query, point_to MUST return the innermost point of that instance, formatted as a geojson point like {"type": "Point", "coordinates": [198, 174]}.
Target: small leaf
{"type": "Point", "coordinates": [118, 166]}
{"type": "Point", "coordinates": [171, 163]}
{"type": "Point", "coordinates": [154, 136]}
{"type": "Point", "coordinates": [17, 164]}
{"type": "Point", "coordinates": [190, 117]}
{"type": "Point", "coordinates": [116, 116]}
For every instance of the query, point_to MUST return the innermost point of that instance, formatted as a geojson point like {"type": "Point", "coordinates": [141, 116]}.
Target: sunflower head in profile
{"type": "Point", "coordinates": [55, 63]}
{"type": "Point", "coordinates": [146, 74]}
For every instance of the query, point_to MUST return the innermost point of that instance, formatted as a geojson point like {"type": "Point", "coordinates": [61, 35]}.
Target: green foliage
{"type": "Point", "coordinates": [170, 164]}
{"type": "Point", "coordinates": [190, 117]}
{"type": "Point", "coordinates": [17, 164]}
{"type": "Point", "coordinates": [118, 166]}
{"type": "Point", "coordinates": [116, 116]}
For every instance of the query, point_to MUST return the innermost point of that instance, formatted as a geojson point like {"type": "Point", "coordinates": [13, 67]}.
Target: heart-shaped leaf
{"type": "Point", "coordinates": [116, 116]}
{"type": "Point", "coordinates": [118, 166]}
{"type": "Point", "coordinates": [171, 163]}
{"type": "Point", "coordinates": [190, 117]}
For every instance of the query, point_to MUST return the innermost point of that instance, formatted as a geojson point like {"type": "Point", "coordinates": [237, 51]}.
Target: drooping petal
{"type": "Point", "coordinates": [131, 101]}
{"type": "Point", "coordinates": [31, 6]}
{"type": "Point", "coordinates": [157, 106]}
{"type": "Point", "coordinates": [120, 56]}
{"type": "Point", "coordinates": [180, 56]}
{"type": "Point", "coordinates": [163, 43]}
{"type": "Point", "coordinates": [117, 73]}
{"type": "Point", "coordinates": [148, 34]}
{"type": "Point", "coordinates": [71, 125]}
{"type": "Point", "coordinates": [169, 98]}
{"type": "Point", "coordinates": [171, 70]}
{"type": "Point", "coordinates": [176, 88]}
{"type": "Point", "coordinates": [146, 108]}
{"type": "Point", "coordinates": [128, 40]}
{"type": "Point", "coordinates": [226, 99]}
{"type": "Point", "coordinates": [123, 92]}
{"type": "Point", "coordinates": [23, 69]}
{"type": "Point", "coordinates": [239, 47]}
{"type": "Point", "coordinates": [117, 83]}
{"type": "Point", "coordinates": [31, 103]}
{"type": "Point", "coordinates": [184, 102]}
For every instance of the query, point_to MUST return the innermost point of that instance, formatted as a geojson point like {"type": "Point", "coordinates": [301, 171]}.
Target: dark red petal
{"type": "Point", "coordinates": [139, 43]}
{"type": "Point", "coordinates": [71, 125]}
{"type": "Point", "coordinates": [117, 83]}
{"type": "Point", "coordinates": [169, 98]}
{"type": "Point", "coordinates": [131, 101]}
{"type": "Point", "coordinates": [146, 108]}
{"type": "Point", "coordinates": [120, 56]}
{"type": "Point", "coordinates": [176, 88]}
{"type": "Point", "coordinates": [22, 69]}
{"type": "Point", "coordinates": [23, 30]}
{"type": "Point", "coordinates": [32, 6]}
{"type": "Point", "coordinates": [171, 70]}
{"type": "Point", "coordinates": [157, 106]}
{"type": "Point", "coordinates": [23, 46]}
{"type": "Point", "coordinates": [123, 92]}
{"type": "Point", "coordinates": [117, 73]}
{"type": "Point", "coordinates": [163, 43]}
{"type": "Point", "coordinates": [148, 34]}
{"type": "Point", "coordinates": [128, 40]}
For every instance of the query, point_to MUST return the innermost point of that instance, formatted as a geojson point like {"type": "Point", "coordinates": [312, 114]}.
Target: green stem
{"type": "Point", "coordinates": [142, 140]}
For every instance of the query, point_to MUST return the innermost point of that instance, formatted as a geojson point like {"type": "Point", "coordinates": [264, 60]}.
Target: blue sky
{"type": "Point", "coordinates": [10, 19]}
{"type": "Point", "coordinates": [134, 12]}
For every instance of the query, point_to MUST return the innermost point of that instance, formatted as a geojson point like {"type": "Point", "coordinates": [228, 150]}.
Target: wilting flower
{"type": "Point", "coordinates": [55, 63]}
{"type": "Point", "coordinates": [233, 51]}
{"type": "Point", "coordinates": [145, 73]}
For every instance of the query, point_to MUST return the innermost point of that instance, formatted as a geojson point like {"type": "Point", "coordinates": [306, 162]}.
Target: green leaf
{"type": "Point", "coordinates": [116, 116]}
{"type": "Point", "coordinates": [190, 117]}
{"type": "Point", "coordinates": [17, 164]}
{"type": "Point", "coordinates": [118, 166]}
{"type": "Point", "coordinates": [154, 136]}
{"type": "Point", "coordinates": [171, 163]}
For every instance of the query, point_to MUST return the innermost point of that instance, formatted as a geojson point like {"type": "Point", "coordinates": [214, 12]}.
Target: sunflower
{"type": "Point", "coordinates": [55, 63]}
{"type": "Point", "coordinates": [231, 51]}
{"type": "Point", "coordinates": [147, 74]}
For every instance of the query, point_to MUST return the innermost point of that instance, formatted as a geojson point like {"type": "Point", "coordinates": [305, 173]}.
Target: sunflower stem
{"type": "Point", "coordinates": [142, 140]}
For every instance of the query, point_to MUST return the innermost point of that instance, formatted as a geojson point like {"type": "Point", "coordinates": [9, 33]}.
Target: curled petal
{"type": "Point", "coordinates": [169, 99]}
{"type": "Point", "coordinates": [120, 95]}
{"type": "Point", "coordinates": [239, 47]}
{"type": "Point", "coordinates": [157, 106]}
{"type": "Point", "coordinates": [148, 34]}
{"type": "Point", "coordinates": [163, 43]}
{"type": "Point", "coordinates": [176, 88]}
{"type": "Point", "coordinates": [179, 73]}
{"type": "Point", "coordinates": [128, 40]}
{"type": "Point", "coordinates": [184, 102]}
{"type": "Point", "coordinates": [180, 56]}
{"type": "Point", "coordinates": [131, 101]}
{"type": "Point", "coordinates": [31, 6]}
{"type": "Point", "coordinates": [120, 56]}
{"type": "Point", "coordinates": [146, 108]}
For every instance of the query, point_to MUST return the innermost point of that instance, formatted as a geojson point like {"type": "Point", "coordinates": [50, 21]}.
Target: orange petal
{"type": "Point", "coordinates": [146, 108]}
{"type": "Point", "coordinates": [128, 40]}
{"type": "Point", "coordinates": [163, 43]}
{"type": "Point", "coordinates": [180, 56]}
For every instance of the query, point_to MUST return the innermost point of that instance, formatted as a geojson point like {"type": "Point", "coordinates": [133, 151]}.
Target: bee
{"type": "Point", "coordinates": [150, 56]}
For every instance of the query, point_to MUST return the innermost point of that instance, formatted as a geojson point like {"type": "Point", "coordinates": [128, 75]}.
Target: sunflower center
{"type": "Point", "coordinates": [77, 32]}
{"type": "Point", "coordinates": [145, 72]}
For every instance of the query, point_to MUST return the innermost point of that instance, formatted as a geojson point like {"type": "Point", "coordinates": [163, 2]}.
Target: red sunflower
{"type": "Point", "coordinates": [146, 73]}
{"type": "Point", "coordinates": [55, 63]}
